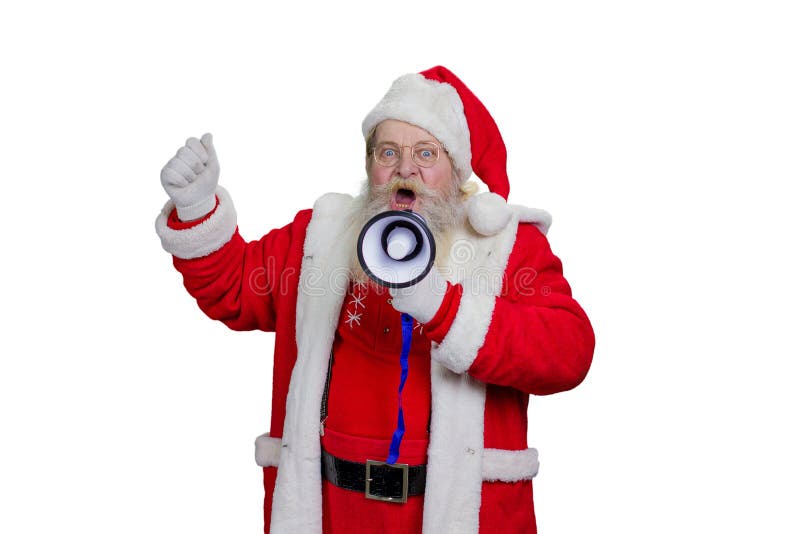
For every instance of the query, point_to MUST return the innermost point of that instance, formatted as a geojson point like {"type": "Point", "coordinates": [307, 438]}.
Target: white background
{"type": "Point", "coordinates": [662, 136]}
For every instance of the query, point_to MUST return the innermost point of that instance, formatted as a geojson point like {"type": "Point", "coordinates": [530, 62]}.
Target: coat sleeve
{"type": "Point", "coordinates": [233, 281]}
{"type": "Point", "coordinates": [533, 336]}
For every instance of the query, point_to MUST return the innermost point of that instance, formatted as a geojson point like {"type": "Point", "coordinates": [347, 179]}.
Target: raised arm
{"type": "Point", "coordinates": [233, 281]}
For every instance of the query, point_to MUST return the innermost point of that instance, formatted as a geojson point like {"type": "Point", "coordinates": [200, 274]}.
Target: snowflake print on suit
{"type": "Point", "coordinates": [357, 296]}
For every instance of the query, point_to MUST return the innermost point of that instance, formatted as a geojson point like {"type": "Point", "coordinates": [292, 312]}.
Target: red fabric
{"type": "Point", "coordinates": [539, 341]}
{"type": "Point", "coordinates": [507, 508]}
{"type": "Point", "coordinates": [363, 405]}
{"type": "Point", "coordinates": [486, 143]}
{"type": "Point", "coordinates": [253, 286]}
{"type": "Point", "coordinates": [358, 449]}
{"type": "Point", "coordinates": [350, 512]}
{"type": "Point", "coordinates": [366, 370]}
{"type": "Point", "coordinates": [176, 224]}
{"type": "Point", "coordinates": [436, 329]}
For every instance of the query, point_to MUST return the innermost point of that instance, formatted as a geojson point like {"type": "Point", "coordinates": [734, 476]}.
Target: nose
{"type": "Point", "coordinates": [406, 167]}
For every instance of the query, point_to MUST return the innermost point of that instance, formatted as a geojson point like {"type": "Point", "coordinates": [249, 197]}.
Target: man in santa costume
{"type": "Point", "coordinates": [493, 322]}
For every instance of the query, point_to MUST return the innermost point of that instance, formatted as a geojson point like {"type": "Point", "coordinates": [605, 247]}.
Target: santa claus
{"type": "Point", "coordinates": [381, 423]}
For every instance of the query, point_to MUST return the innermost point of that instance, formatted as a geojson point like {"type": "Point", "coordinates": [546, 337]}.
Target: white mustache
{"type": "Point", "coordinates": [388, 190]}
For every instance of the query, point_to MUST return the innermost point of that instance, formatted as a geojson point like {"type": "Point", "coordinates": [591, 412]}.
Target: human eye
{"type": "Point", "coordinates": [387, 151]}
{"type": "Point", "coordinates": [426, 152]}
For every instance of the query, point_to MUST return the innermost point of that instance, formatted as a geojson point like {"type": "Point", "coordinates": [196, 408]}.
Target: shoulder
{"type": "Point", "coordinates": [302, 218]}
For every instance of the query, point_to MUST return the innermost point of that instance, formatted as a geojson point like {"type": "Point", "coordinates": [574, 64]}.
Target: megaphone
{"type": "Point", "coordinates": [396, 248]}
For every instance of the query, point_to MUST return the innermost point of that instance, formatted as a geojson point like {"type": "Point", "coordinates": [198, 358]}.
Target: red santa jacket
{"type": "Point", "coordinates": [517, 331]}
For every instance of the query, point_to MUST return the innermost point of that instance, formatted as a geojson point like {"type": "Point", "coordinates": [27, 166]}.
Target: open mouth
{"type": "Point", "coordinates": [403, 199]}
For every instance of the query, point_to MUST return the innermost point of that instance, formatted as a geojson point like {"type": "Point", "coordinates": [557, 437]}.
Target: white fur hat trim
{"type": "Point", "coordinates": [431, 105]}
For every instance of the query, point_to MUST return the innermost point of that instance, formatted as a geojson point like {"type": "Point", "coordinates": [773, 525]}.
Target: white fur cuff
{"type": "Point", "coordinates": [268, 450]}
{"type": "Point", "coordinates": [203, 239]}
{"type": "Point", "coordinates": [509, 466]}
{"type": "Point", "coordinates": [467, 334]}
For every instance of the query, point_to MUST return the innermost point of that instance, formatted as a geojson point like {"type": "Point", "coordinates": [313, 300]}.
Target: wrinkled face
{"type": "Point", "coordinates": [407, 178]}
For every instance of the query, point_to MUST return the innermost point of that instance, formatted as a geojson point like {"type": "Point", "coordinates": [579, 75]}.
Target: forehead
{"type": "Point", "coordinates": [399, 131]}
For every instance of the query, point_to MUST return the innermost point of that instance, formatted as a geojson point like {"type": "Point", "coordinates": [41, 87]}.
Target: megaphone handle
{"type": "Point", "coordinates": [407, 323]}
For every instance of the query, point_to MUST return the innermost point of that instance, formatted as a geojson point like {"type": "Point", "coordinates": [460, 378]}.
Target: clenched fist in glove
{"type": "Point", "coordinates": [190, 178]}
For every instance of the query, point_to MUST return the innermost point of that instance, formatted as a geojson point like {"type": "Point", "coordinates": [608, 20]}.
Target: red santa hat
{"type": "Point", "coordinates": [439, 102]}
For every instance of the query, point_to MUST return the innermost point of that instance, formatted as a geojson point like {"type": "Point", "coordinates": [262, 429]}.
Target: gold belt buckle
{"type": "Point", "coordinates": [403, 468]}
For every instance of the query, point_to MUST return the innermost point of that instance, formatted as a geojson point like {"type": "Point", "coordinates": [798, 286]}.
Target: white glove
{"type": "Point", "coordinates": [422, 300]}
{"type": "Point", "coordinates": [190, 178]}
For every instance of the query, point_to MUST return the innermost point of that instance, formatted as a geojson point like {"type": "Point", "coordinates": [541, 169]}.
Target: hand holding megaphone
{"type": "Point", "coordinates": [396, 249]}
{"type": "Point", "coordinates": [422, 300]}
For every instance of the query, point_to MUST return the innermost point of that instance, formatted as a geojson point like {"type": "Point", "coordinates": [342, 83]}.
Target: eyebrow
{"type": "Point", "coordinates": [378, 142]}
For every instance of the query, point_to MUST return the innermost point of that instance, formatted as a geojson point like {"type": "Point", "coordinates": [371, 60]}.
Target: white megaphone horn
{"type": "Point", "coordinates": [396, 248]}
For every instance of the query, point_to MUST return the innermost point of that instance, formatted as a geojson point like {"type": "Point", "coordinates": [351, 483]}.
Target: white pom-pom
{"type": "Point", "coordinates": [488, 213]}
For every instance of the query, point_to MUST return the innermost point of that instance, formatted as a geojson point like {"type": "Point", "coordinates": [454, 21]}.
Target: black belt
{"type": "Point", "coordinates": [376, 480]}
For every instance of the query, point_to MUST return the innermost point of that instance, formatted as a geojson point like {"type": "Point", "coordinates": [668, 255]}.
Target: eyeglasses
{"type": "Point", "coordinates": [424, 154]}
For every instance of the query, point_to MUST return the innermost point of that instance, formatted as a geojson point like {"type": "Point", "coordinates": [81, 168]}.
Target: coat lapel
{"type": "Point", "coordinates": [297, 501]}
{"type": "Point", "coordinates": [455, 452]}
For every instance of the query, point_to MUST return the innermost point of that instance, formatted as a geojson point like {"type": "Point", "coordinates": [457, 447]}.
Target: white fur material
{"type": "Point", "coordinates": [538, 217]}
{"type": "Point", "coordinates": [488, 213]}
{"type": "Point", "coordinates": [455, 453]}
{"type": "Point", "coordinates": [268, 450]}
{"type": "Point", "coordinates": [432, 105]}
{"type": "Point", "coordinates": [297, 501]}
{"type": "Point", "coordinates": [510, 466]}
{"type": "Point", "coordinates": [498, 464]}
{"type": "Point", "coordinates": [482, 262]}
{"type": "Point", "coordinates": [460, 347]}
{"type": "Point", "coordinates": [203, 239]}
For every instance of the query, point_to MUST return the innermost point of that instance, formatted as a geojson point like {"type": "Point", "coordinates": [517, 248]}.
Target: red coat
{"type": "Point", "coordinates": [517, 331]}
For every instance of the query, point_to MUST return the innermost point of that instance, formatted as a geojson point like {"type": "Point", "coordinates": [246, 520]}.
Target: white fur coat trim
{"type": "Point", "coordinates": [470, 326]}
{"type": "Point", "coordinates": [203, 239]}
{"type": "Point", "coordinates": [297, 501]}
{"type": "Point", "coordinates": [478, 263]}
{"type": "Point", "coordinates": [455, 452]}
{"type": "Point", "coordinates": [498, 465]}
